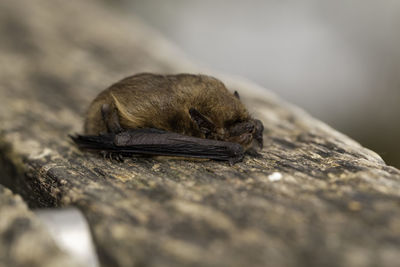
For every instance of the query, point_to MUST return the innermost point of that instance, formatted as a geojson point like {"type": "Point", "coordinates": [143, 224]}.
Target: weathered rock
{"type": "Point", "coordinates": [313, 198]}
{"type": "Point", "coordinates": [23, 239]}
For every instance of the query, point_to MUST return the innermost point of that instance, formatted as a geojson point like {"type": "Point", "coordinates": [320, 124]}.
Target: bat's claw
{"type": "Point", "coordinates": [233, 161]}
{"type": "Point", "coordinates": [119, 158]}
{"type": "Point", "coordinates": [253, 152]}
{"type": "Point", "coordinates": [112, 156]}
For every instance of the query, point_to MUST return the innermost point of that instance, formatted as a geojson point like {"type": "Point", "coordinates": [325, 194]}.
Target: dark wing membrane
{"type": "Point", "coordinates": [158, 142]}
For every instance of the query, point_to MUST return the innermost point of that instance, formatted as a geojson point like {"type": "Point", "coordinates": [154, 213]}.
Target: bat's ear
{"type": "Point", "coordinates": [236, 94]}
{"type": "Point", "coordinates": [205, 125]}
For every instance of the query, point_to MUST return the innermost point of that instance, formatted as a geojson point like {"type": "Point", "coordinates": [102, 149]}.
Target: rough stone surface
{"type": "Point", "coordinates": [23, 239]}
{"type": "Point", "coordinates": [313, 198]}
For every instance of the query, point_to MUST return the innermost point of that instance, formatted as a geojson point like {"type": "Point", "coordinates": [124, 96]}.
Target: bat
{"type": "Point", "coordinates": [184, 115]}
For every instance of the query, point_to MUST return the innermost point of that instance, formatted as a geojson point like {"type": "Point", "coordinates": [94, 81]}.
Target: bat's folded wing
{"type": "Point", "coordinates": [158, 142]}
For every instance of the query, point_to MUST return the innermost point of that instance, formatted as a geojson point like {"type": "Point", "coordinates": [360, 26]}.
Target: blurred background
{"type": "Point", "coordinates": [339, 60]}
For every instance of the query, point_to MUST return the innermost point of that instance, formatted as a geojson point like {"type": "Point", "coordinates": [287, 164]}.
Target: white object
{"type": "Point", "coordinates": [276, 176]}
{"type": "Point", "coordinates": [71, 233]}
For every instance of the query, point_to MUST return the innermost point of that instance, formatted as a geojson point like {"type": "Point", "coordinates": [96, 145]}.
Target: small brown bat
{"type": "Point", "coordinates": [184, 115]}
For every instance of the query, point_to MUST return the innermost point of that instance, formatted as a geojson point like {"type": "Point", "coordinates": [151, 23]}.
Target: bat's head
{"type": "Point", "coordinates": [248, 133]}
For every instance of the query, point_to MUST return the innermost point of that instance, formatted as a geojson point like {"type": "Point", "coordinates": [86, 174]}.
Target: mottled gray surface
{"type": "Point", "coordinates": [313, 198]}
{"type": "Point", "coordinates": [24, 242]}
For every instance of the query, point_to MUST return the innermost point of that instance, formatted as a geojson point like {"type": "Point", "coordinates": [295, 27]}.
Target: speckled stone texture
{"type": "Point", "coordinates": [313, 198]}
{"type": "Point", "coordinates": [23, 239]}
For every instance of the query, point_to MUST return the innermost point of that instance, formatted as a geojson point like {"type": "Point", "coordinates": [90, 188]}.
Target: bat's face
{"type": "Point", "coordinates": [249, 134]}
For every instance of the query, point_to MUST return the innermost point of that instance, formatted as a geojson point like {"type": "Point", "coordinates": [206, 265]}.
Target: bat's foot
{"type": "Point", "coordinates": [112, 156]}
{"type": "Point", "coordinates": [235, 160]}
{"type": "Point", "coordinates": [254, 153]}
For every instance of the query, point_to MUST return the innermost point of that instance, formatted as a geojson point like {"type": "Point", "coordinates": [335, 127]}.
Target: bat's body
{"type": "Point", "coordinates": [179, 105]}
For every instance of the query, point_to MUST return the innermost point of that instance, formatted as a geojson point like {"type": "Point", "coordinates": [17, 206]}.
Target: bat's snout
{"type": "Point", "coordinates": [258, 133]}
